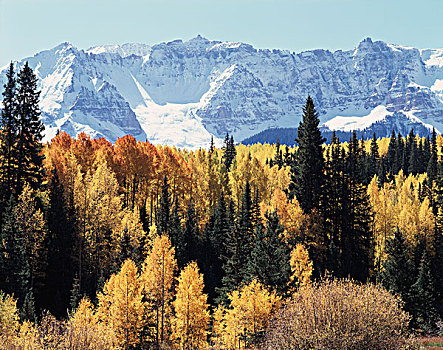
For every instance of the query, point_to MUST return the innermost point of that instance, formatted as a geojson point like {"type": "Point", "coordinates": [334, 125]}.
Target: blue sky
{"type": "Point", "coordinates": [29, 26]}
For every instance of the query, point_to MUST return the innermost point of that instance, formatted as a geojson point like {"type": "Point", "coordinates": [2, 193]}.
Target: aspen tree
{"type": "Point", "coordinates": [121, 306]}
{"type": "Point", "coordinates": [191, 319]}
{"type": "Point", "coordinates": [301, 266]}
{"type": "Point", "coordinates": [157, 278]}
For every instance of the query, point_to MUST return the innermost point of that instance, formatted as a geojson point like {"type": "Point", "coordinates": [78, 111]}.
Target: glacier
{"type": "Point", "coordinates": [184, 92]}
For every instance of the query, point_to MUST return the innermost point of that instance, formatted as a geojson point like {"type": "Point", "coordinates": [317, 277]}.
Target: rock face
{"type": "Point", "coordinates": [182, 92]}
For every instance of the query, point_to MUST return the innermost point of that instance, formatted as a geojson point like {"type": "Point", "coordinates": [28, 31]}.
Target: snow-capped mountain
{"type": "Point", "coordinates": [182, 92]}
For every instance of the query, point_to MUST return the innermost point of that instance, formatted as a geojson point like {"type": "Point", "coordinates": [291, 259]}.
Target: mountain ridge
{"type": "Point", "coordinates": [182, 92]}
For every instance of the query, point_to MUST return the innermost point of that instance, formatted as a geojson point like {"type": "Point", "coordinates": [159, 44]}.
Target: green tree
{"type": "Point", "coordinates": [425, 314]}
{"type": "Point", "coordinates": [398, 270]}
{"type": "Point", "coordinates": [8, 137]}
{"type": "Point", "coordinates": [29, 129]}
{"type": "Point", "coordinates": [307, 178]}
{"type": "Point", "coordinates": [164, 210]}
{"type": "Point", "coordinates": [270, 254]}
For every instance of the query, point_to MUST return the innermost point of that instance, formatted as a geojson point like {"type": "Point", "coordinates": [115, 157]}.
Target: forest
{"type": "Point", "coordinates": [136, 246]}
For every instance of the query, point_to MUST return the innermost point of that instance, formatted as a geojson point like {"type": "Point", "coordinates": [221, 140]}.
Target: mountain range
{"type": "Point", "coordinates": [181, 93]}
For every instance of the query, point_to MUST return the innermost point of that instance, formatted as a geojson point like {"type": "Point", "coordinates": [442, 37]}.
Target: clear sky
{"type": "Point", "coordinates": [29, 26]}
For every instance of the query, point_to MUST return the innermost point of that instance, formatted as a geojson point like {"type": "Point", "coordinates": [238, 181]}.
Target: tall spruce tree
{"type": "Point", "coordinates": [308, 174]}
{"type": "Point", "coordinates": [14, 270]}
{"type": "Point", "coordinates": [424, 309]}
{"type": "Point", "coordinates": [164, 209]}
{"type": "Point", "coordinates": [270, 254]}
{"type": "Point", "coordinates": [8, 138]}
{"type": "Point", "coordinates": [398, 270]}
{"type": "Point", "coordinates": [30, 131]}
{"type": "Point", "coordinates": [237, 247]}
{"type": "Point", "coordinates": [59, 243]}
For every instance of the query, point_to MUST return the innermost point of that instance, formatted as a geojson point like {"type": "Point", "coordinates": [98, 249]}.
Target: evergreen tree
{"type": "Point", "coordinates": [59, 246]}
{"type": "Point", "coordinates": [14, 270]}
{"type": "Point", "coordinates": [28, 308]}
{"type": "Point", "coordinates": [392, 154]}
{"type": "Point", "coordinates": [175, 228]}
{"type": "Point", "coordinates": [75, 294]}
{"type": "Point", "coordinates": [397, 274]}
{"type": "Point", "coordinates": [164, 210]}
{"type": "Point", "coordinates": [414, 160]}
{"type": "Point", "coordinates": [355, 241]}
{"type": "Point", "coordinates": [238, 247]}
{"type": "Point", "coordinates": [229, 151]}
{"type": "Point", "coordinates": [308, 174]}
{"type": "Point", "coordinates": [278, 159]}
{"type": "Point", "coordinates": [425, 314]}
{"type": "Point", "coordinates": [189, 249]}
{"type": "Point", "coordinates": [270, 254]}
{"type": "Point", "coordinates": [433, 160]}
{"type": "Point", "coordinates": [374, 157]}
{"type": "Point", "coordinates": [8, 138]}
{"type": "Point", "coordinates": [215, 233]}
{"type": "Point", "coordinates": [29, 129]}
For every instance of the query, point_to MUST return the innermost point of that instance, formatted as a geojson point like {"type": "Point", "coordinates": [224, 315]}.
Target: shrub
{"type": "Point", "coordinates": [339, 314]}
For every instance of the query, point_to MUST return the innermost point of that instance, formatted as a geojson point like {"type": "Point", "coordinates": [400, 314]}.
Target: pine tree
{"type": "Point", "coordinates": [433, 160]}
{"type": "Point", "coordinates": [164, 210]}
{"type": "Point", "coordinates": [278, 159]}
{"type": "Point", "coordinates": [75, 294]}
{"type": "Point", "coordinates": [237, 247]}
{"type": "Point", "coordinates": [8, 138]}
{"type": "Point", "coordinates": [355, 241]}
{"type": "Point", "coordinates": [229, 151]}
{"type": "Point", "coordinates": [29, 129]}
{"type": "Point", "coordinates": [425, 314]}
{"type": "Point", "coordinates": [373, 158]}
{"type": "Point", "coordinates": [190, 243]}
{"type": "Point", "coordinates": [397, 274]}
{"type": "Point", "coordinates": [308, 176]}
{"type": "Point", "coordinates": [216, 232]}
{"type": "Point", "coordinates": [14, 270]}
{"type": "Point", "coordinates": [59, 246]}
{"type": "Point", "coordinates": [270, 254]}
{"type": "Point", "coordinates": [28, 308]}
{"type": "Point", "coordinates": [391, 154]}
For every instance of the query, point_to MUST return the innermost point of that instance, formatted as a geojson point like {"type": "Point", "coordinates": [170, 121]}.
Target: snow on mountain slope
{"type": "Point", "coordinates": [183, 92]}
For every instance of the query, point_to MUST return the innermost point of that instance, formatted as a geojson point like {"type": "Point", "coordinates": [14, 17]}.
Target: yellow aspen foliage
{"type": "Point", "coordinates": [247, 316]}
{"type": "Point", "coordinates": [31, 223]}
{"type": "Point", "coordinates": [190, 322]}
{"type": "Point", "coordinates": [98, 208]}
{"type": "Point", "coordinates": [131, 225]}
{"type": "Point", "coordinates": [157, 279]}
{"type": "Point", "coordinates": [84, 331]}
{"type": "Point", "coordinates": [385, 218]}
{"type": "Point", "coordinates": [301, 266]}
{"type": "Point", "coordinates": [218, 327]}
{"type": "Point", "coordinates": [29, 338]}
{"type": "Point", "coordinates": [121, 306]}
{"type": "Point", "coordinates": [9, 321]}
{"type": "Point", "coordinates": [289, 212]}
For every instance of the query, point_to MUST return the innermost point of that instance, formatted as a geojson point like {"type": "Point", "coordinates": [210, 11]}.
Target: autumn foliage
{"type": "Point", "coordinates": [339, 315]}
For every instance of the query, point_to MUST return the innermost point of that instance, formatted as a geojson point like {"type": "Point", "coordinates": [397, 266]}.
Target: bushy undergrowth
{"type": "Point", "coordinates": [340, 314]}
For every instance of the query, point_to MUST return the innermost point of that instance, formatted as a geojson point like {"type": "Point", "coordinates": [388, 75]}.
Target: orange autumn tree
{"type": "Point", "coordinates": [157, 279]}
{"type": "Point", "coordinates": [191, 319]}
{"type": "Point", "coordinates": [121, 305]}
